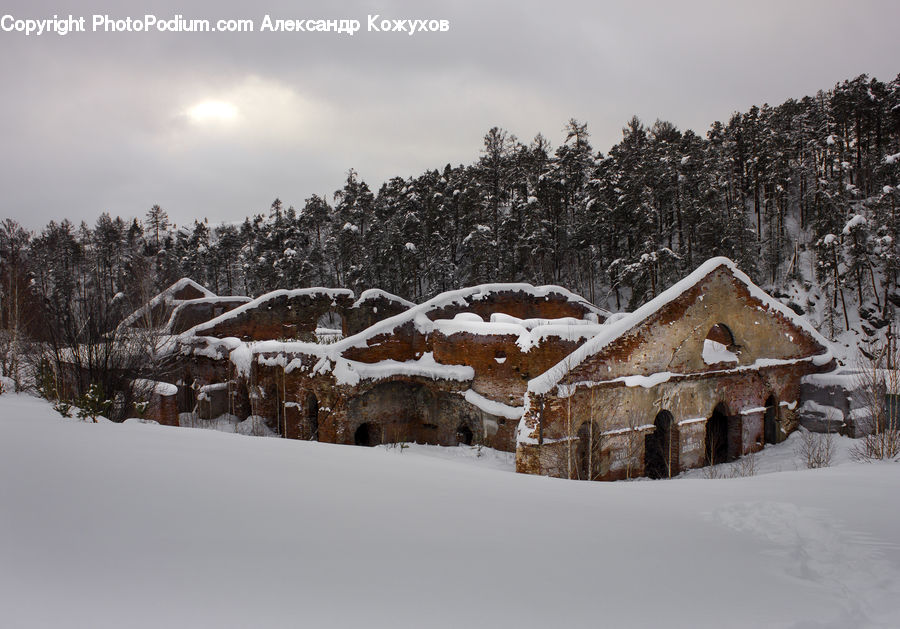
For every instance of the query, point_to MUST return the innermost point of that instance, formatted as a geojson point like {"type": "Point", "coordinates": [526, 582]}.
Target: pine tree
{"type": "Point", "coordinates": [158, 222]}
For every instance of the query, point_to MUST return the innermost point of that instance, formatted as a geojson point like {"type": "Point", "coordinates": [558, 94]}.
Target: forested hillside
{"type": "Point", "coordinates": [802, 195]}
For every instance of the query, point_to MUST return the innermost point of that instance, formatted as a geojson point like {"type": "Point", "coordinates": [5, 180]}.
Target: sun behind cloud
{"type": "Point", "coordinates": [213, 111]}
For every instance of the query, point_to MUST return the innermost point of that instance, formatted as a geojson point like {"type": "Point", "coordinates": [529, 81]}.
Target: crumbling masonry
{"type": "Point", "coordinates": [704, 373]}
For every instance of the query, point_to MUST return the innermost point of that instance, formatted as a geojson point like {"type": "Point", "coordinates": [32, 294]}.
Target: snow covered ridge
{"type": "Point", "coordinates": [261, 302]}
{"type": "Point", "coordinates": [492, 407]}
{"type": "Point", "coordinates": [289, 356]}
{"type": "Point", "coordinates": [624, 325]}
{"type": "Point", "coordinates": [350, 372]}
{"type": "Point", "coordinates": [421, 314]}
{"type": "Point", "coordinates": [181, 305]}
{"type": "Point", "coordinates": [373, 294]}
{"type": "Point", "coordinates": [529, 333]}
{"type": "Point", "coordinates": [167, 296]}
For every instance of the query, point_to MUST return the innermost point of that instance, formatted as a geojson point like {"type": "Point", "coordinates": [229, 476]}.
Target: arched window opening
{"type": "Point", "coordinates": [329, 327]}
{"type": "Point", "coordinates": [661, 448]}
{"type": "Point", "coordinates": [312, 416]}
{"type": "Point", "coordinates": [464, 435]}
{"type": "Point", "coordinates": [365, 435]}
{"type": "Point", "coordinates": [771, 430]}
{"type": "Point", "coordinates": [719, 346]}
{"type": "Point", "coordinates": [589, 452]}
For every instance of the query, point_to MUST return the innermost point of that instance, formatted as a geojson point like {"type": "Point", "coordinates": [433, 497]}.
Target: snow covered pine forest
{"type": "Point", "coordinates": [803, 196]}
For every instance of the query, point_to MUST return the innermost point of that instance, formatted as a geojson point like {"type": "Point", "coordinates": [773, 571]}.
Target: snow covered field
{"type": "Point", "coordinates": [137, 525]}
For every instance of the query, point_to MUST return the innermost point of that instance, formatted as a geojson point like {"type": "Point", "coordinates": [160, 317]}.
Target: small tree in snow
{"type": "Point", "coordinates": [879, 380]}
{"type": "Point", "coordinates": [93, 403]}
{"type": "Point", "coordinates": [815, 449]}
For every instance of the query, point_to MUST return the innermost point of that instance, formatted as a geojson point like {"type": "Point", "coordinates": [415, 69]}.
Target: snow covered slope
{"type": "Point", "coordinates": [137, 525]}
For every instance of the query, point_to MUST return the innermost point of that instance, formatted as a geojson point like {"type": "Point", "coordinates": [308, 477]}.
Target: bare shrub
{"type": "Point", "coordinates": [879, 384]}
{"type": "Point", "coordinates": [879, 445]}
{"type": "Point", "coordinates": [581, 457]}
{"type": "Point", "coordinates": [815, 449]}
{"type": "Point", "coordinates": [744, 466]}
{"type": "Point", "coordinates": [711, 472]}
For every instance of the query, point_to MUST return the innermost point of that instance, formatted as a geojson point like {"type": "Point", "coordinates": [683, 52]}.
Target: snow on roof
{"type": "Point", "coordinates": [611, 332]}
{"type": "Point", "coordinates": [209, 346]}
{"type": "Point", "coordinates": [502, 317]}
{"type": "Point", "coordinates": [242, 354]}
{"type": "Point", "coordinates": [854, 378]}
{"type": "Point", "coordinates": [215, 299]}
{"type": "Point", "coordinates": [418, 314]}
{"type": "Point", "coordinates": [183, 304]}
{"type": "Point", "coordinates": [333, 293]}
{"type": "Point", "coordinates": [167, 296]}
{"type": "Point", "coordinates": [529, 332]}
{"type": "Point", "coordinates": [351, 371]}
{"type": "Point", "coordinates": [458, 325]}
{"type": "Point", "coordinates": [164, 389]}
{"type": "Point", "coordinates": [330, 357]}
{"type": "Point", "coordinates": [376, 293]}
{"type": "Point", "coordinates": [186, 282]}
{"type": "Point", "coordinates": [492, 407]}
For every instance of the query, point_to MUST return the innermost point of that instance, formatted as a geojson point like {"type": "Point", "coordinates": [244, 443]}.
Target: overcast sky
{"type": "Point", "coordinates": [95, 122]}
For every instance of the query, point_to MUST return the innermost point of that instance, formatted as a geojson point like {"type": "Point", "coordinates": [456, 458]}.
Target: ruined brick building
{"type": "Point", "coordinates": [705, 372]}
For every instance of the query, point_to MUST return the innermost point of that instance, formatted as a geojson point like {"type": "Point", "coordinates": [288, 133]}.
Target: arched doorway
{"type": "Point", "coordinates": [365, 435]}
{"type": "Point", "coordinates": [404, 412]}
{"type": "Point", "coordinates": [661, 448]}
{"type": "Point", "coordinates": [588, 452]}
{"type": "Point", "coordinates": [312, 416]}
{"type": "Point", "coordinates": [717, 437]}
{"type": "Point", "coordinates": [464, 435]}
{"type": "Point", "coordinates": [770, 422]}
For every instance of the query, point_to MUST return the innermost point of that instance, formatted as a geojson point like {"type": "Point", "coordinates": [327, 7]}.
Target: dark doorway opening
{"type": "Point", "coordinates": [661, 448]}
{"type": "Point", "coordinates": [464, 435]}
{"type": "Point", "coordinates": [312, 416]}
{"type": "Point", "coordinates": [365, 435]}
{"type": "Point", "coordinates": [717, 437]}
{"type": "Point", "coordinates": [589, 452]}
{"type": "Point", "coordinates": [770, 423]}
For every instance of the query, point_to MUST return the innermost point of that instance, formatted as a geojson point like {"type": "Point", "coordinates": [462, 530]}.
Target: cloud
{"type": "Point", "coordinates": [97, 122]}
